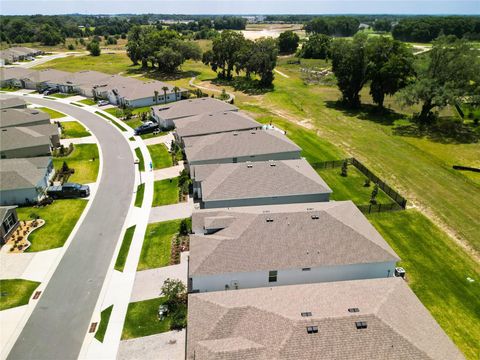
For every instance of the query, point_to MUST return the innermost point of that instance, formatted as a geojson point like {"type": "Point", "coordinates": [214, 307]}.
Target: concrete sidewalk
{"type": "Point", "coordinates": [171, 212]}
{"type": "Point", "coordinates": [168, 173]}
{"type": "Point", "coordinates": [165, 139]}
{"type": "Point", "coordinates": [166, 346]}
{"type": "Point", "coordinates": [82, 140]}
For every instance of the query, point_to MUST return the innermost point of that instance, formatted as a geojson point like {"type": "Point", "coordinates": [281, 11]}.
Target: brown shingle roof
{"type": "Point", "coordinates": [266, 323]}
{"type": "Point", "coordinates": [335, 233]}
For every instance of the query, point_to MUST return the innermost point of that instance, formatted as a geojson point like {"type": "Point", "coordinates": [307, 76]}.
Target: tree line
{"type": "Point", "coordinates": [334, 26]}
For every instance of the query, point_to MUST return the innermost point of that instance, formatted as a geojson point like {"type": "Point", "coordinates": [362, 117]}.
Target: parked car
{"type": "Point", "coordinates": [50, 91]}
{"type": "Point", "coordinates": [147, 128]}
{"type": "Point", "coordinates": [102, 103]}
{"type": "Point", "coordinates": [68, 190]}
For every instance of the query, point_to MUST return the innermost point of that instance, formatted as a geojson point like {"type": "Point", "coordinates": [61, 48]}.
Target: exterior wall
{"type": "Point", "coordinates": [264, 157]}
{"type": "Point", "coordinates": [258, 279]}
{"type": "Point", "coordinates": [18, 196]}
{"type": "Point", "coordinates": [25, 152]}
{"type": "Point", "coordinates": [293, 199]}
{"type": "Point", "coordinates": [149, 101]}
{"type": "Point", "coordinates": [3, 231]}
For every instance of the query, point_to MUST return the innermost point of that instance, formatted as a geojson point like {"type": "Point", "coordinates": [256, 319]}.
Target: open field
{"type": "Point", "coordinates": [157, 244]}
{"type": "Point", "coordinates": [85, 160]}
{"type": "Point", "coordinates": [161, 158]}
{"type": "Point", "coordinates": [16, 292]}
{"type": "Point", "coordinates": [166, 192]}
{"type": "Point", "coordinates": [60, 218]}
{"type": "Point", "coordinates": [73, 129]}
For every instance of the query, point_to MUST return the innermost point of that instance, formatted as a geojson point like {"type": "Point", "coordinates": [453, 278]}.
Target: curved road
{"type": "Point", "coordinates": [58, 325]}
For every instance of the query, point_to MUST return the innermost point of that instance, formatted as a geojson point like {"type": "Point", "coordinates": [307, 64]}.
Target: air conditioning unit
{"type": "Point", "coordinates": [400, 272]}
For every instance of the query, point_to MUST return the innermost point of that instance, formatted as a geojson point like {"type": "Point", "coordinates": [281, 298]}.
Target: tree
{"type": "Point", "coordinates": [185, 227]}
{"type": "Point", "coordinates": [288, 42]}
{"type": "Point", "coordinates": [316, 47]}
{"type": "Point", "coordinates": [264, 59]}
{"type": "Point", "coordinates": [155, 96]}
{"type": "Point", "coordinates": [451, 70]}
{"type": "Point", "coordinates": [390, 67]}
{"type": "Point", "coordinates": [349, 64]}
{"type": "Point", "coordinates": [223, 55]}
{"type": "Point", "coordinates": [175, 293]}
{"type": "Point", "coordinates": [382, 25]}
{"type": "Point", "coordinates": [176, 89]}
{"type": "Point", "coordinates": [165, 89]}
{"type": "Point", "coordinates": [168, 60]}
{"type": "Point", "coordinates": [94, 48]}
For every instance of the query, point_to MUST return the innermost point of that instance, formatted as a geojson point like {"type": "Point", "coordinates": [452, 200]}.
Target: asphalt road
{"type": "Point", "coordinates": [58, 325]}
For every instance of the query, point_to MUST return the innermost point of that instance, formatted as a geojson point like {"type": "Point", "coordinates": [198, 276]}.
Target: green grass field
{"type": "Point", "coordinates": [161, 158]}
{"type": "Point", "coordinates": [142, 319]}
{"type": "Point", "coordinates": [16, 292]}
{"type": "Point", "coordinates": [54, 114]}
{"type": "Point", "coordinates": [124, 248]}
{"type": "Point", "coordinates": [166, 192]}
{"type": "Point", "coordinates": [85, 160]}
{"type": "Point", "coordinates": [139, 195]}
{"type": "Point", "coordinates": [60, 218]}
{"type": "Point", "coordinates": [437, 271]}
{"type": "Point", "coordinates": [73, 129]}
{"type": "Point", "coordinates": [102, 327]}
{"type": "Point", "coordinates": [88, 102]}
{"type": "Point", "coordinates": [158, 244]}
{"type": "Point", "coordinates": [141, 164]}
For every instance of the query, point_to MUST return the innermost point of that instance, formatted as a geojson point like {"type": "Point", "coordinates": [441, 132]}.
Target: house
{"type": "Point", "coordinates": [278, 245]}
{"type": "Point", "coordinates": [213, 123]}
{"type": "Point", "coordinates": [373, 319]}
{"type": "Point", "coordinates": [82, 82]}
{"type": "Point", "coordinates": [258, 183]}
{"type": "Point", "coordinates": [13, 103]}
{"type": "Point", "coordinates": [44, 78]}
{"type": "Point", "coordinates": [25, 142]}
{"type": "Point", "coordinates": [24, 181]}
{"type": "Point", "coordinates": [23, 117]}
{"type": "Point", "coordinates": [107, 89]}
{"type": "Point", "coordinates": [166, 114]}
{"type": "Point", "coordinates": [241, 146]}
{"type": "Point", "coordinates": [9, 222]}
{"type": "Point", "coordinates": [11, 76]}
{"type": "Point", "coordinates": [146, 94]}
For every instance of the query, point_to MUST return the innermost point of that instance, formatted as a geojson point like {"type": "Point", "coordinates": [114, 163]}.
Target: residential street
{"type": "Point", "coordinates": [57, 327]}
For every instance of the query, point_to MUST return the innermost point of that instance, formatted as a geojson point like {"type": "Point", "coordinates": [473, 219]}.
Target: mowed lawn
{"type": "Point", "coordinates": [54, 114]}
{"type": "Point", "coordinates": [166, 192]}
{"type": "Point", "coordinates": [124, 248]}
{"type": "Point", "coordinates": [16, 292]}
{"type": "Point", "coordinates": [158, 244]}
{"type": "Point", "coordinates": [142, 319]}
{"type": "Point", "coordinates": [437, 271]}
{"type": "Point", "coordinates": [85, 160]}
{"type": "Point", "coordinates": [102, 327]}
{"type": "Point", "coordinates": [73, 129]}
{"type": "Point", "coordinates": [161, 158]}
{"type": "Point", "coordinates": [60, 218]}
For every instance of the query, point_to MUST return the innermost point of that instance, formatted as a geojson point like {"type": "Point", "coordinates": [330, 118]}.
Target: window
{"type": "Point", "coordinates": [306, 313]}
{"type": "Point", "coordinates": [312, 329]}
{"type": "Point", "coordinates": [353, 310]}
{"type": "Point", "coordinates": [272, 276]}
{"type": "Point", "coordinates": [9, 223]}
{"type": "Point", "coordinates": [361, 324]}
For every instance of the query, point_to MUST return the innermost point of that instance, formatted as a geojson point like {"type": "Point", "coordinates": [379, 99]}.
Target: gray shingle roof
{"type": "Point", "coordinates": [214, 123]}
{"type": "Point", "coordinates": [10, 73]}
{"type": "Point", "coordinates": [24, 137]}
{"type": "Point", "coordinates": [266, 323]}
{"type": "Point", "coordinates": [334, 233]}
{"type": "Point", "coordinates": [258, 179]}
{"type": "Point", "coordinates": [142, 90]}
{"type": "Point", "coordinates": [22, 173]}
{"type": "Point", "coordinates": [86, 77]}
{"type": "Point", "coordinates": [191, 107]}
{"type": "Point", "coordinates": [238, 144]}
{"type": "Point", "coordinates": [48, 75]}
{"type": "Point", "coordinates": [13, 102]}
{"type": "Point", "coordinates": [22, 117]}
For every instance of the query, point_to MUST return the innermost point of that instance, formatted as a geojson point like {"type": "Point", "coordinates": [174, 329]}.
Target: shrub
{"type": "Point", "coordinates": [185, 227]}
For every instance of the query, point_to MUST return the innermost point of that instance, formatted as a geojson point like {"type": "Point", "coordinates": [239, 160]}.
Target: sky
{"type": "Point", "coordinates": [53, 7]}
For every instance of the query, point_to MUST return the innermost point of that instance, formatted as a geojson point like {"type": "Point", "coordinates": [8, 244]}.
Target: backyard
{"type": "Point", "coordinates": [158, 244]}
{"type": "Point", "coordinates": [60, 219]}
{"type": "Point", "coordinates": [16, 292]}
{"type": "Point", "coordinates": [161, 158]}
{"type": "Point", "coordinates": [85, 160]}
{"type": "Point", "coordinates": [73, 129]}
{"type": "Point", "coordinates": [165, 192]}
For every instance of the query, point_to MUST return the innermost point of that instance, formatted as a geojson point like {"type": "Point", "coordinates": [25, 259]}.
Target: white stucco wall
{"type": "Point", "coordinates": [257, 279]}
{"type": "Point", "coordinates": [288, 155]}
{"type": "Point", "coordinates": [18, 196]}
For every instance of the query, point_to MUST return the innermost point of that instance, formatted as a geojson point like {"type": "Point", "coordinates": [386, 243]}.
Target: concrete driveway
{"type": "Point", "coordinates": [57, 327]}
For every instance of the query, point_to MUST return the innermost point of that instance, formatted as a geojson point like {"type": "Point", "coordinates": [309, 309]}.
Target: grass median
{"type": "Point", "coordinates": [16, 292]}
{"type": "Point", "coordinates": [102, 327]}
{"type": "Point", "coordinates": [124, 248]}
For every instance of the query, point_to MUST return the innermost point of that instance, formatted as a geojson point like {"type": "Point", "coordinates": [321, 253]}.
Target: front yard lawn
{"type": "Point", "coordinates": [87, 102]}
{"type": "Point", "coordinates": [158, 244]}
{"type": "Point", "coordinates": [161, 158]}
{"type": "Point", "coordinates": [54, 114]}
{"type": "Point", "coordinates": [165, 192]}
{"type": "Point", "coordinates": [60, 218]}
{"type": "Point", "coordinates": [102, 328]}
{"type": "Point", "coordinates": [437, 271]}
{"type": "Point", "coordinates": [85, 160]}
{"type": "Point", "coordinates": [351, 187]}
{"type": "Point", "coordinates": [152, 135]}
{"type": "Point", "coordinates": [123, 253]}
{"type": "Point", "coordinates": [73, 129]}
{"type": "Point", "coordinates": [16, 292]}
{"type": "Point", "coordinates": [62, 96]}
{"type": "Point", "coordinates": [142, 319]}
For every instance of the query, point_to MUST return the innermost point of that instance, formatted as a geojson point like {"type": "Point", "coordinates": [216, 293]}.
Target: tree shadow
{"type": "Point", "coordinates": [461, 134]}
{"type": "Point", "coordinates": [244, 84]}
{"type": "Point", "coordinates": [156, 74]}
{"type": "Point", "coordinates": [369, 112]}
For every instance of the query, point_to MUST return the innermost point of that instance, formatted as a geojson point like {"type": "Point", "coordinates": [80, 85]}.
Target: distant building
{"type": "Point", "coordinates": [12, 76]}
{"type": "Point", "coordinates": [374, 319]}
{"type": "Point", "coordinates": [8, 222]}
{"type": "Point", "coordinates": [24, 181]}
{"type": "Point", "coordinates": [18, 53]}
{"type": "Point", "coordinates": [166, 114]}
{"type": "Point", "coordinates": [261, 246]}
{"type": "Point", "coordinates": [258, 183]}
{"type": "Point", "coordinates": [241, 146]}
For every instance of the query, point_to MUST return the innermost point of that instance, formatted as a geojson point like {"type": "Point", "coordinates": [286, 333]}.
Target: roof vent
{"type": "Point", "coordinates": [35, 112]}
{"type": "Point", "coordinates": [312, 329]}
{"type": "Point", "coordinates": [361, 324]}
{"type": "Point", "coordinates": [309, 209]}
{"type": "Point", "coordinates": [253, 132]}
{"type": "Point", "coordinates": [235, 134]}
{"type": "Point", "coordinates": [249, 166]}
{"type": "Point", "coordinates": [272, 163]}
{"type": "Point", "coordinates": [315, 217]}
{"type": "Point", "coordinates": [306, 313]}
{"type": "Point", "coordinates": [353, 310]}
{"type": "Point", "coordinates": [269, 220]}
